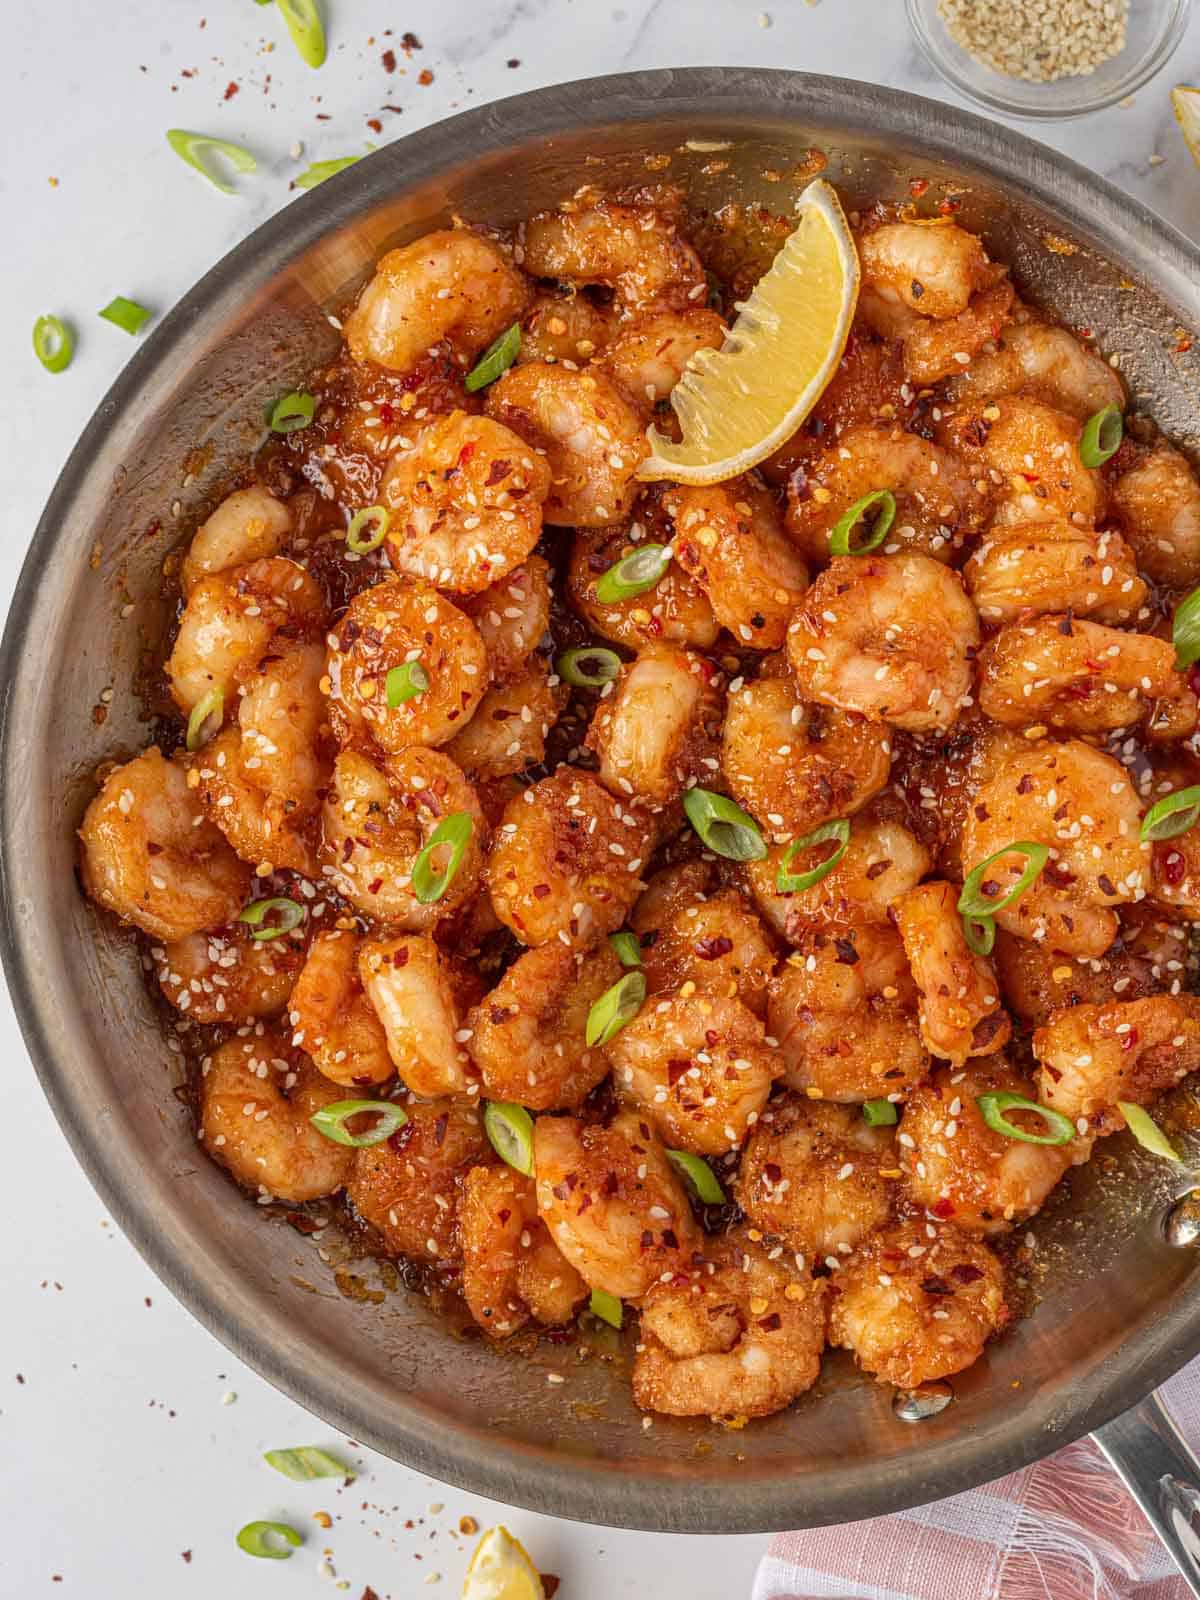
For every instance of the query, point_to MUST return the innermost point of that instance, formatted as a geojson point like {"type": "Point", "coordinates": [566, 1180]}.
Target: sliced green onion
{"type": "Point", "coordinates": [880, 1114]}
{"type": "Point", "coordinates": [126, 314]}
{"type": "Point", "coordinates": [263, 1539]}
{"type": "Point", "coordinates": [724, 827]}
{"type": "Point", "coordinates": [53, 344]}
{"type": "Point", "coordinates": [306, 1461]}
{"type": "Point", "coordinates": [980, 934]}
{"type": "Point", "coordinates": [1101, 436]}
{"type": "Point", "coordinates": [193, 147]}
{"type": "Point", "coordinates": [1060, 1129]}
{"type": "Point", "coordinates": [796, 882]}
{"type": "Point", "coordinates": [1172, 815]}
{"type": "Point", "coordinates": [972, 902]}
{"type": "Point", "coordinates": [607, 1307]}
{"type": "Point", "coordinates": [588, 666]}
{"type": "Point", "coordinates": [844, 528]}
{"type": "Point", "coordinates": [293, 411]}
{"type": "Point", "coordinates": [320, 170]}
{"type": "Point", "coordinates": [1185, 631]}
{"type": "Point", "coordinates": [331, 1120]}
{"type": "Point", "coordinates": [368, 529]}
{"type": "Point", "coordinates": [1147, 1132]}
{"type": "Point", "coordinates": [628, 946]}
{"type": "Point", "coordinates": [289, 912]}
{"type": "Point", "coordinates": [696, 1171]}
{"type": "Point", "coordinates": [428, 884]}
{"type": "Point", "coordinates": [497, 358]}
{"type": "Point", "coordinates": [304, 24]}
{"type": "Point", "coordinates": [405, 683]}
{"type": "Point", "coordinates": [209, 709]}
{"type": "Point", "coordinates": [615, 1008]}
{"type": "Point", "coordinates": [510, 1129]}
{"type": "Point", "coordinates": [633, 574]}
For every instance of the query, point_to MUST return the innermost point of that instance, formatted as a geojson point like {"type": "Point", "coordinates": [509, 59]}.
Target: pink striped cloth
{"type": "Point", "coordinates": [1064, 1529]}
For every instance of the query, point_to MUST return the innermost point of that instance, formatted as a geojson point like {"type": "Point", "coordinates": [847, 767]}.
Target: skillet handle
{"type": "Point", "coordinates": [1162, 1475]}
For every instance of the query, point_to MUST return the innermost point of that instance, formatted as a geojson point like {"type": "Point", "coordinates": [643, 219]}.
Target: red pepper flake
{"type": "Point", "coordinates": [917, 187]}
{"type": "Point", "coordinates": [965, 1272]}
{"type": "Point", "coordinates": [374, 124]}
{"type": "Point", "coordinates": [772, 1323]}
{"type": "Point", "coordinates": [513, 61]}
{"type": "Point", "coordinates": [550, 1583]}
{"type": "Point", "coordinates": [942, 1209]}
{"type": "Point", "coordinates": [409, 42]}
{"type": "Point", "coordinates": [425, 77]}
{"type": "Point", "coordinates": [389, 60]}
{"type": "Point", "coordinates": [1174, 867]}
{"type": "Point", "coordinates": [187, 1555]}
{"type": "Point", "coordinates": [375, 885]}
{"type": "Point", "coordinates": [1128, 1040]}
{"type": "Point", "coordinates": [712, 949]}
{"type": "Point", "coordinates": [676, 1069]}
{"type": "Point", "coordinates": [231, 89]}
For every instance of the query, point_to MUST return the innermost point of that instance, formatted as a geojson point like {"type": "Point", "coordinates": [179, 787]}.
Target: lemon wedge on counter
{"type": "Point", "coordinates": [737, 404]}
{"type": "Point", "coordinates": [1185, 101]}
{"type": "Point", "coordinates": [501, 1570]}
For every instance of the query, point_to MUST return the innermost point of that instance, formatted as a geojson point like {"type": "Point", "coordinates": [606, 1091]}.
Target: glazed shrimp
{"type": "Point", "coordinates": [465, 503]}
{"type": "Point", "coordinates": [528, 1034]}
{"type": "Point", "coordinates": [812, 1175]}
{"type": "Point", "coordinates": [612, 1202]}
{"type": "Point", "coordinates": [565, 861]}
{"type": "Point", "coordinates": [1048, 364]}
{"type": "Point", "coordinates": [1092, 1056]}
{"type": "Point", "coordinates": [795, 764]}
{"type": "Point", "coordinates": [151, 857]}
{"type": "Point", "coordinates": [1030, 454]}
{"type": "Point", "coordinates": [249, 525]}
{"type": "Point", "coordinates": [1158, 503]}
{"type": "Point", "coordinates": [228, 622]}
{"type": "Point", "coordinates": [254, 1119]}
{"type": "Point", "coordinates": [1082, 805]}
{"type": "Point", "coordinates": [588, 432]}
{"type": "Point", "coordinates": [657, 732]}
{"type": "Point", "coordinates": [1174, 863]}
{"type": "Point", "coordinates": [509, 729]}
{"type": "Point", "coordinates": [914, 1308]}
{"type": "Point", "coordinates": [387, 627]}
{"type": "Point", "coordinates": [697, 1067]}
{"type": "Point", "coordinates": [512, 1269]}
{"type": "Point", "coordinates": [376, 823]}
{"type": "Point", "coordinates": [869, 387]}
{"type": "Point", "coordinates": [930, 270]}
{"type": "Point", "coordinates": [843, 1010]}
{"type": "Point", "coordinates": [729, 538]}
{"type": "Point", "coordinates": [713, 941]}
{"type": "Point", "coordinates": [1019, 571]}
{"type": "Point", "coordinates": [450, 285]}
{"type": "Point", "coordinates": [889, 637]}
{"type": "Point", "coordinates": [512, 617]}
{"type": "Point", "coordinates": [418, 996]}
{"type": "Point", "coordinates": [939, 503]}
{"type": "Point", "coordinates": [635, 250]}
{"type": "Point", "coordinates": [226, 976]}
{"type": "Point", "coordinates": [959, 1008]}
{"type": "Point", "coordinates": [934, 349]}
{"type": "Point", "coordinates": [675, 611]}
{"type": "Point", "coordinates": [959, 1168]}
{"type": "Point", "coordinates": [649, 355]}
{"type": "Point", "coordinates": [565, 327]}
{"type": "Point", "coordinates": [333, 1021]}
{"type": "Point", "coordinates": [739, 1335]}
{"type": "Point", "coordinates": [409, 1188]}
{"type": "Point", "coordinates": [1081, 677]}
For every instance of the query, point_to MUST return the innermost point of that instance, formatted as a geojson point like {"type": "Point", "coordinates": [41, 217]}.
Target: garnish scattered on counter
{"type": "Point", "coordinates": [320, 170]}
{"type": "Point", "coordinates": [272, 1540]}
{"type": "Point", "coordinates": [306, 1461]}
{"type": "Point", "coordinates": [194, 148]}
{"type": "Point", "coordinates": [53, 344]}
{"type": "Point", "coordinates": [126, 314]}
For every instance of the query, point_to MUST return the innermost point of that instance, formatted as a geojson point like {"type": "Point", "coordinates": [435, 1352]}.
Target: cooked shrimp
{"type": "Point", "coordinates": [377, 822]}
{"type": "Point", "coordinates": [1019, 571]}
{"type": "Point", "coordinates": [1030, 454]}
{"type": "Point", "coordinates": [931, 270]}
{"type": "Point", "coordinates": [565, 861]}
{"type": "Point", "coordinates": [843, 1009]}
{"type": "Point", "coordinates": [450, 285]}
{"type": "Point", "coordinates": [227, 976]}
{"type": "Point", "coordinates": [612, 1202]}
{"type": "Point", "coordinates": [512, 1269]}
{"type": "Point", "coordinates": [509, 729]}
{"type": "Point", "coordinates": [1092, 1056]}
{"type": "Point", "coordinates": [565, 327]}
{"type": "Point", "coordinates": [588, 432]}
{"type": "Point", "coordinates": [812, 1175]}
{"type": "Point", "coordinates": [386, 627]}
{"type": "Point", "coordinates": [914, 1307]}
{"type": "Point", "coordinates": [795, 764]}
{"type": "Point", "coordinates": [729, 538]}
{"type": "Point", "coordinates": [697, 1067]}
{"type": "Point", "coordinates": [418, 996]}
{"type": "Point", "coordinates": [255, 1107]}
{"type": "Point", "coordinates": [890, 637]}
{"type": "Point", "coordinates": [935, 349]}
{"type": "Point", "coordinates": [648, 356]}
{"type": "Point", "coordinates": [409, 1187]}
{"type": "Point", "coordinates": [869, 386]}
{"type": "Point", "coordinates": [150, 856]}
{"type": "Point", "coordinates": [675, 611]}
{"type": "Point", "coordinates": [635, 250]}
{"type": "Point", "coordinates": [960, 1010]}
{"type": "Point", "coordinates": [1082, 805]}
{"type": "Point", "coordinates": [713, 940]}
{"type": "Point", "coordinates": [1158, 503]}
{"type": "Point", "coordinates": [738, 1335]}
{"type": "Point", "coordinates": [1081, 677]}
{"type": "Point", "coordinates": [512, 617]}
{"type": "Point", "coordinates": [465, 503]}
{"type": "Point", "coordinates": [1148, 957]}
{"type": "Point", "coordinates": [246, 814]}
{"type": "Point", "coordinates": [1048, 364]}
{"type": "Point", "coordinates": [527, 1036]}
{"type": "Point", "coordinates": [247, 526]}
{"type": "Point", "coordinates": [657, 732]}
{"type": "Point", "coordinates": [959, 1168]}
{"type": "Point", "coordinates": [332, 1018]}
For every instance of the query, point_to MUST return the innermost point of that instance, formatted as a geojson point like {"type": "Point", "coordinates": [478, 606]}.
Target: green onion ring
{"type": "Point", "coordinates": [588, 666]}
{"type": "Point", "coordinates": [973, 903]}
{"type": "Point", "coordinates": [304, 24]}
{"type": "Point", "coordinates": [209, 708]}
{"type": "Point", "coordinates": [1185, 631]}
{"type": "Point", "coordinates": [880, 1114]}
{"type": "Point", "coordinates": [980, 934]}
{"type": "Point", "coordinates": [509, 1127]}
{"type": "Point", "coordinates": [796, 882]}
{"type": "Point", "coordinates": [615, 1009]}
{"type": "Point", "coordinates": [125, 314]}
{"type": "Point", "coordinates": [305, 1462]}
{"type": "Point", "coordinates": [1147, 1132]}
{"type": "Point", "coordinates": [497, 358]}
{"type": "Point", "coordinates": [842, 531]}
{"type": "Point", "coordinates": [696, 1171]}
{"type": "Point", "coordinates": [292, 411]}
{"type": "Point", "coordinates": [428, 884]}
{"type": "Point", "coordinates": [628, 947]}
{"type": "Point", "coordinates": [290, 913]}
{"type": "Point", "coordinates": [192, 148]}
{"type": "Point", "coordinates": [992, 1107]}
{"type": "Point", "coordinates": [405, 683]}
{"type": "Point", "coordinates": [321, 170]}
{"type": "Point", "coordinates": [724, 827]}
{"type": "Point", "coordinates": [53, 344]}
{"type": "Point", "coordinates": [607, 1307]}
{"type": "Point", "coordinates": [261, 1539]}
{"type": "Point", "coordinates": [633, 574]}
{"type": "Point", "coordinates": [331, 1121]}
{"type": "Point", "coordinates": [377, 517]}
{"type": "Point", "coordinates": [1101, 436]}
{"type": "Point", "coordinates": [1172, 815]}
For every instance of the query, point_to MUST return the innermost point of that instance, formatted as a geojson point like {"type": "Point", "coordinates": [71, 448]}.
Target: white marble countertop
{"type": "Point", "coordinates": [129, 1438]}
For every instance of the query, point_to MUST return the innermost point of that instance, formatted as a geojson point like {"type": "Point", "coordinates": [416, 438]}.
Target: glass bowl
{"type": "Point", "coordinates": [1154, 29]}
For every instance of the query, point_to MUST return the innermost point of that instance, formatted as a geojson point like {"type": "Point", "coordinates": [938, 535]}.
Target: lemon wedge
{"type": "Point", "coordinates": [1185, 101]}
{"type": "Point", "coordinates": [501, 1570]}
{"type": "Point", "coordinates": [737, 404]}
